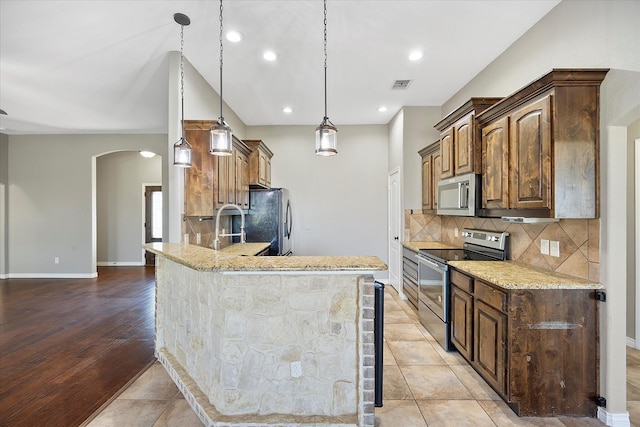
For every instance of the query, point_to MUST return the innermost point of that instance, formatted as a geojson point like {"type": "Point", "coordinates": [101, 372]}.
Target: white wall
{"type": "Point", "coordinates": [120, 180]}
{"type": "Point", "coordinates": [588, 34]}
{"type": "Point", "coordinates": [4, 182]}
{"type": "Point", "coordinates": [51, 200]}
{"type": "Point", "coordinates": [418, 132]}
{"type": "Point", "coordinates": [339, 202]}
{"type": "Point", "coordinates": [633, 133]}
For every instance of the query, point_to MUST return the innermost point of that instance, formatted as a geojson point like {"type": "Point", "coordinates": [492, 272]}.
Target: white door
{"type": "Point", "coordinates": [395, 231]}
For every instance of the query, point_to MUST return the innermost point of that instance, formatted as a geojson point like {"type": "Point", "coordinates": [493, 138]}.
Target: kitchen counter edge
{"type": "Point", "coordinates": [232, 259]}
{"type": "Point", "coordinates": [514, 275]}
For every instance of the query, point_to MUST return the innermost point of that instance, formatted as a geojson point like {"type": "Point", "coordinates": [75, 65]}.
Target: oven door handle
{"type": "Point", "coordinates": [430, 263]}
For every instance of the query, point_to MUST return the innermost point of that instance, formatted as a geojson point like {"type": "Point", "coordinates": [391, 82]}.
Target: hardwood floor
{"type": "Point", "coordinates": [68, 345]}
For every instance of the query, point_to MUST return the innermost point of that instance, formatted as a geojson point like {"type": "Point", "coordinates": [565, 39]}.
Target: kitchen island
{"type": "Point", "coordinates": [267, 340]}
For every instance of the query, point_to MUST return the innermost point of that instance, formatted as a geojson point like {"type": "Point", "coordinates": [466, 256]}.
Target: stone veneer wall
{"type": "Point", "coordinates": [579, 240]}
{"type": "Point", "coordinates": [227, 340]}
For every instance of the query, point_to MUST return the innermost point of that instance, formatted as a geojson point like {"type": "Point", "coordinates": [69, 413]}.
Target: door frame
{"type": "Point", "coordinates": [637, 240]}
{"type": "Point", "coordinates": [390, 227]}
{"type": "Point", "coordinates": [146, 185]}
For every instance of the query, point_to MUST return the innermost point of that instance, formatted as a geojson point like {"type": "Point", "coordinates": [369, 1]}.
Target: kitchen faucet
{"type": "Point", "coordinates": [216, 242]}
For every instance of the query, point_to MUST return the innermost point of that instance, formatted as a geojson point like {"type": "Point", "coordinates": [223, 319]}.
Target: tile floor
{"type": "Point", "coordinates": [453, 396]}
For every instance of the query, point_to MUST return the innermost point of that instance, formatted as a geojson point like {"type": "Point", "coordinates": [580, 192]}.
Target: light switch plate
{"type": "Point", "coordinates": [455, 232]}
{"type": "Point", "coordinates": [544, 246]}
{"type": "Point", "coordinates": [555, 248]}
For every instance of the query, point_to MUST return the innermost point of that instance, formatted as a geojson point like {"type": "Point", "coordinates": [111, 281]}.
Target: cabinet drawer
{"type": "Point", "coordinates": [409, 254]}
{"type": "Point", "coordinates": [410, 269]}
{"type": "Point", "coordinates": [462, 281]}
{"type": "Point", "coordinates": [491, 296]}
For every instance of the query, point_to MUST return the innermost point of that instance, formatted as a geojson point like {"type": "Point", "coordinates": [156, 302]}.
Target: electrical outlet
{"type": "Point", "coordinates": [296, 369]}
{"type": "Point", "coordinates": [544, 246]}
{"type": "Point", "coordinates": [555, 248]}
{"type": "Point", "coordinates": [455, 232]}
{"type": "Point", "coordinates": [56, 260]}
{"type": "Point", "coordinates": [198, 238]}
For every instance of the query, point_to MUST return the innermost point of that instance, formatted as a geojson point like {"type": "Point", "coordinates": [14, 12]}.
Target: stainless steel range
{"type": "Point", "coordinates": [433, 277]}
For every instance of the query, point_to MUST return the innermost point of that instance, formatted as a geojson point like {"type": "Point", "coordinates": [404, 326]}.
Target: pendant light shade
{"type": "Point", "coordinates": [220, 134]}
{"type": "Point", "coordinates": [326, 133]}
{"type": "Point", "coordinates": [220, 139]}
{"type": "Point", "coordinates": [182, 148]}
{"type": "Point", "coordinates": [326, 138]}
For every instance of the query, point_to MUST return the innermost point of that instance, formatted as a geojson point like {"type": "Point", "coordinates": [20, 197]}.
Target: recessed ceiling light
{"type": "Point", "coordinates": [287, 110]}
{"type": "Point", "coordinates": [382, 109]}
{"type": "Point", "coordinates": [234, 36]}
{"type": "Point", "coordinates": [270, 55]}
{"type": "Point", "coordinates": [415, 55]}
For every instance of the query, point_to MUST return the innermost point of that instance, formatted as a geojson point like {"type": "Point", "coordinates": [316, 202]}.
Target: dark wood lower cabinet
{"type": "Point", "coordinates": [537, 348]}
{"type": "Point", "coordinates": [462, 324]}
{"type": "Point", "coordinates": [489, 344]}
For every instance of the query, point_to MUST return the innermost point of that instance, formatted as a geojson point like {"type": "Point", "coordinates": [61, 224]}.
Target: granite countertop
{"type": "Point", "coordinates": [513, 275]}
{"type": "Point", "coordinates": [236, 259]}
{"type": "Point", "coordinates": [416, 246]}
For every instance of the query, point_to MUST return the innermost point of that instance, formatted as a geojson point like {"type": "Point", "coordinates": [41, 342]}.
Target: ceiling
{"type": "Point", "coordinates": [102, 67]}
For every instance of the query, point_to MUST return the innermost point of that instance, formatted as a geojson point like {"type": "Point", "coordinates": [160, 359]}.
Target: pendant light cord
{"type": "Point", "coordinates": [182, 76]}
{"type": "Point", "coordinates": [325, 60]}
{"type": "Point", "coordinates": [221, 53]}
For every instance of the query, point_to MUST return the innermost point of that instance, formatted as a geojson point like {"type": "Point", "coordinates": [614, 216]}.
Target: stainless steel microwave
{"type": "Point", "coordinates": [459, 195]}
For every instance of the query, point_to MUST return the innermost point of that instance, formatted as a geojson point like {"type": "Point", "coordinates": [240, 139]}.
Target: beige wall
{"type": "Point", "coordinates": [120, 180]}
{"type": "Point", "coordinates": [339, 202]}
{"type": "Point", "coordinates": [51, 205]}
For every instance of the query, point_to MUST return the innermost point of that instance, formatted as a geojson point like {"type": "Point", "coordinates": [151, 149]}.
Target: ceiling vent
{"type": "Point", "coordinates": [401, 84]}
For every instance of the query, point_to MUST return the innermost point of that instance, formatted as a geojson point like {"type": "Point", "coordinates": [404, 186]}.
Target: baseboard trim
{"type": "Point", "coordinates": [119, 264]}
{"type": "Point", "coordinates": [51, 276]}
{"type": "Point", "coordinates": [614, 420]}
{"type": "Point", "coordinates": [631, 342]}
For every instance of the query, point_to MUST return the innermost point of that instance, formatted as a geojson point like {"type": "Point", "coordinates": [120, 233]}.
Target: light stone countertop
{"type": "Point", "coordinates": [416, 246]}
{"type": "Point", "coordinates": [232, 259]}
{"type": "Point", "coordinates": [513, 275]}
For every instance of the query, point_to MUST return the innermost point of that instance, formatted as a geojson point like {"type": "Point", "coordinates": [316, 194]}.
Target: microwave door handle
{"type": "Point", "coordinates": [459, 195]}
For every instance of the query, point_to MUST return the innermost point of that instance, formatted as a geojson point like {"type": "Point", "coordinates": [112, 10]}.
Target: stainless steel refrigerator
{"type": "Point", "coordinates": [269, 220]}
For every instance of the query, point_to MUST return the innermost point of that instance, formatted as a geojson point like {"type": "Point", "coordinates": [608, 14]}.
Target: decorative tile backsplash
{"type": "Point", "coordinates": [579, 240]}
{"type": "Point", "coordinates": [207, 229]}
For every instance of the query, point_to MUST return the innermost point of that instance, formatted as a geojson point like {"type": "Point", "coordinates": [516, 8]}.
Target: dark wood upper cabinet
{"type": "Point", "coordinates": [540, 148]}
{"type": "Point", "coordinates": [213, 181]}
{"type": "Point", "coordinates": [431, 171]}
{"type": "Point", "coordinates": [460, 149]}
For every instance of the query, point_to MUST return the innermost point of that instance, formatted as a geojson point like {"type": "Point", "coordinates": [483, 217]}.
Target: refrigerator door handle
{"type": "Point", "coordinates": [288, 223]}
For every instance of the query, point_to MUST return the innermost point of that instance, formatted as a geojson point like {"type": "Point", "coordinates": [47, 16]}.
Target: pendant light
{"type": "Point", "coordinates": [182, 148]}
{"type": "Point", "coordinates": [220, 135]}
{"type": "Point", "coordinates": [326, 133]}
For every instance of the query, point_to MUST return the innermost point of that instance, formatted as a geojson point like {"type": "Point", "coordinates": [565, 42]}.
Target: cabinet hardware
{"type": "Point", "coordinates": [601, 296]}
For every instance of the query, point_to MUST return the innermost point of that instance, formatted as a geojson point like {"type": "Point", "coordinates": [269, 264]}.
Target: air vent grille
{"type": "Point", "coordinates": [401, 84]}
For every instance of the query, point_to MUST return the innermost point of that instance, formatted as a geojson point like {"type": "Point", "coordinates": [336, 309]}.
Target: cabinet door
{"type": "Point", "coordinates": [198, 179]}
{"type": "Point", "coordinates": [530, 156]}
{"type": "Point", "coordinates": [462, 321]}
{"type": "Point", "coordinates": [489, 349]}
{"type": "Point", "coordinates": [222, 185]}
{"type": "Point", "coordinates": [437, 173]}
{"type": "Point", "coordinates": [446, 153]}
{"type": "Point", "coordinates": [495, 164]}
{"type": "Point", "coordinates": [463, 145]}
{"type": "Point", "coordinates": [262, 169]}
{"type": "Point", "coordinates": [242, 180]}
{"type": "Point", "coordinates": [427, 182]}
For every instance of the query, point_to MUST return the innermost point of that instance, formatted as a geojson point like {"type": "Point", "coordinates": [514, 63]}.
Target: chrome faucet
{"type": "Point", "coordinates": [216, 242]}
